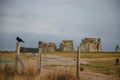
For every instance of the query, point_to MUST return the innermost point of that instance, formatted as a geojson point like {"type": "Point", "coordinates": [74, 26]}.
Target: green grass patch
{"type": "Point", "coordinates": [6, 60]}
{"type": "Point", "coordinates": [87, 55]}
{"type": "Point", "coordinates": [102, 68]}
{"type": "Point", "coordinates": [58, 65]}
{"type": "Point", "coordinates": [99, 55]}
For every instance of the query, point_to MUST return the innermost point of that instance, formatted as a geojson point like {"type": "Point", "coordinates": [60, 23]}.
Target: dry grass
{"type": "Point", "coordinates": [25, 56]}
{"type": "Point", "coordinates": [93, 55]}
{"type": "Point", "coordinates": [100, 66]}
{"type": "Point", "coordinates": [102, 62]}
{"type": "Point", "coordinates": [30, 70]}
{"type": "Point", "coordinates": [87, 55]}
{"type": "Point", "coordinates": [7, 71]}
{"type": "Point", "coordinates": [30, 73]}
{"type": "Point", "coordinates": [8, 55]}
{"type": "Point", "coordinates": [60, 76]}
{"type": "Point", "coordinates": [64, 54]}
{"type": "Point", "coordinates": [107, 67]}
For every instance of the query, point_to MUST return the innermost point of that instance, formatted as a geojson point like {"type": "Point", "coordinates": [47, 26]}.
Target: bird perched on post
{"type": "Point", "coordinates": [19, 39]}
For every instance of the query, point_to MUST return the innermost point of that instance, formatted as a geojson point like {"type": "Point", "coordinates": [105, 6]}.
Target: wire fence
{"type": "Point", "coordinates": [84, 75]}
{"type": "Point", "coordinates": [66, 64]}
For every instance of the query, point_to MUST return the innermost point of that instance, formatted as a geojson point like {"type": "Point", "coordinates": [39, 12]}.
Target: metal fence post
{"type": "Point", "coordinates": [78, 64]}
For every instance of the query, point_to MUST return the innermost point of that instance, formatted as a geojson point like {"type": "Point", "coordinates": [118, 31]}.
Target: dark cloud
{"type": "Point", "coordinates": [55, 20]}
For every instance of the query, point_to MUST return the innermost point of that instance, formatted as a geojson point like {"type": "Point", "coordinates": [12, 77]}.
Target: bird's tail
{"type": "Point", "coordinates": [23, 41]}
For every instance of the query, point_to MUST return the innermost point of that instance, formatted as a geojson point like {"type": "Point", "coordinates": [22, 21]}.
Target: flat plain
{"type": "Point", "coordinates": [62, 66]}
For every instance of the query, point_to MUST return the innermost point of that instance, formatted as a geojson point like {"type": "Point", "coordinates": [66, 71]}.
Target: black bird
{"type": "Point", "coordinates": [19, 39]}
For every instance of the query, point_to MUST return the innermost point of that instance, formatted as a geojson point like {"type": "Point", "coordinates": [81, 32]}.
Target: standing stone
{"type": "Point", "coordinates": [43, 46]}
{"type": "Point", "coordinates": [47, 47]}
{"type": "Point", "coordinates": [99, 45]}
{"type": "Point", "coordinates": [66, 46]}
{"type": "Point", "coordinates": [90, 45]}
{"type": "Point", "coordinates": [117, 48]}
{"type": "Point", "coordinates": [51, 47]}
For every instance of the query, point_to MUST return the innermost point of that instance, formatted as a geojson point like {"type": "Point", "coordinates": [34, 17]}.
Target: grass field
{"type": "Point", "coordinates": [103, 63]}
{"type": "Point", "coordinates": [88, 55]}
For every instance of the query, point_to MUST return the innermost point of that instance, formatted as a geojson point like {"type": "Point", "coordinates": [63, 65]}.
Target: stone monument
{"type": "Point", "coordinates": [51, 47]}
{"type": "Point", "coordinates": [43, 45]}
{"type": "Point", "coordinates": [66, 46]}
{"type": "Point", "coordinates": [117, 48]}
{"type": "Point", "coordinates": [90, 45]}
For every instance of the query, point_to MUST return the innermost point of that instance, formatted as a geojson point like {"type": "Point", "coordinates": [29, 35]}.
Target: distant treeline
{"type": "Point", "coordinates": [5, 51]}
{"type": "Point", "coordinates": [24, 50]}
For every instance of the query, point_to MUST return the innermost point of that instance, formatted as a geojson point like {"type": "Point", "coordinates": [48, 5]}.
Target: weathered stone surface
{"type": "Point", "coordinates": [47, 47]}
{"type": "Point", "coordinates": [52, 47]}
{"type": "Point", "coordinates": [90, 44]}
{"type": "Point", "coordinates": [117, 48]}
{"type": "Point", "coordinates": [99, 46]}
{"type": "Point", "coordinates": [43, 45]}
{"type": "Point", "coordinates": [66, 46]}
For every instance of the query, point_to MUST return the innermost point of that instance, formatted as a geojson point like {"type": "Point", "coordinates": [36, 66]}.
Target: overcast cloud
{"type": "Point", "coordinates": [55, 20]}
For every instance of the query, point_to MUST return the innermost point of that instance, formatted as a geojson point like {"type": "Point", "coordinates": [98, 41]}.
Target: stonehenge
{"type": "Point", "coordinates": [43, 45]}
{"type": "Point", "coordinates": [86, 45]}
{"type": "Point", "coordinates": [90, 45]}
{"type": "Point", "coordinates": [66, 46]}
{"type": "Point", "coordinates": [52, 47]}
{"type": "Point", "coordinates": [47, 47]}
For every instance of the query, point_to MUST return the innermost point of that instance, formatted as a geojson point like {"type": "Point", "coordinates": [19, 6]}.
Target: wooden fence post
{"type": "Point", "coordinates": [78, 64]}
{"type": "Point", "coordinates": [39, 57]}
{"type": "Point", "coordinates": [18, 57]}
{"type": "Point", "coordinates": [0, 55]}
{"type": "Point", "coordinates": [0, 59]}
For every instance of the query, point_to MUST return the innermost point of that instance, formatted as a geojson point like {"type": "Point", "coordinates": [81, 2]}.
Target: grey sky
{"type": "Point", "coordinates": [55, 20]}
